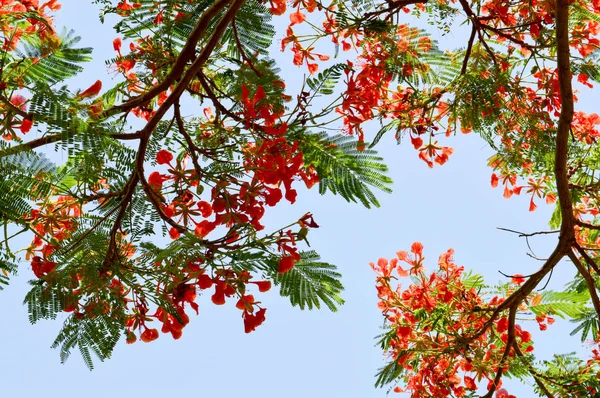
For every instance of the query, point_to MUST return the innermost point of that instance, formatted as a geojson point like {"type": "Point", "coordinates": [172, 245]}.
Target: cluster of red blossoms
{"type": "Point", "coordinates": [439, 334]}
{"type": "Point", "coordinates": [226, 282]}
{"type": "Point", "coordinates": [53, 222]}
{"type": "Point", "coordinates": [22, 20]}
{"type": "Point", "coordinates": [23, 124]}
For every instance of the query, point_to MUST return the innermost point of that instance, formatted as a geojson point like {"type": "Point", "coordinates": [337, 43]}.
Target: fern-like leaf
{"type": "Point", "coordinates": [310, 283]}
{"type": "Point", "coordinates": [344, 170]}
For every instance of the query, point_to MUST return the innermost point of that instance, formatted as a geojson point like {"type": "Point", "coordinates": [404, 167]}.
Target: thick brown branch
{"type": "Point", "coordinates": [564, 121]}
{"type": "Point", "coordinates": [146, 132]}
{"type": "Point", "coordinates": [587, 225]}
{"type": "Point", "coordinates": [515, 299]}
{"type": "Point", "coordinates": [567, 234]}
{"type": "Point", "coordinates": [186, 54]}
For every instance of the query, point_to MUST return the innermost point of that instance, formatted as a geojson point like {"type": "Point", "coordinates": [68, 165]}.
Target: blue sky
{"type": "Point", "coordinates": [296, 353]}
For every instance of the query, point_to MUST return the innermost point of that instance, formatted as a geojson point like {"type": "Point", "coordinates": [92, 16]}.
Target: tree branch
{"type": "Point", "coordinates": [463, 70]}
{"type": "Point", "coordinates": [51, 138]}
{"type": "Point", "coordinates": [589, 280]}
{"type": "Point", "coordinates": [146, 132]}
{"type": "Point", "coordinates": [509, 344]}
{"type": "Point", "coordinates": [186, 54]}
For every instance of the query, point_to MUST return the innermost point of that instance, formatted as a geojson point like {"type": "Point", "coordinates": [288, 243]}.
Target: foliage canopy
{"type": "Point", "coordinates": [137, 220]}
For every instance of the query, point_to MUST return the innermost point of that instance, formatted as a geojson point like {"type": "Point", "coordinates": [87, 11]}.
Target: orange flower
{"type": "Point", "coordinates": [149, 335]}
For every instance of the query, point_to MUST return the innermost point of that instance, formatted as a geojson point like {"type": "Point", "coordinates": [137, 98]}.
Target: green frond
{"type": "Point", "coordinates": [43, 302]}
{"type": "Point", "coordinates": [310, 283]}
{"type": "Point", "coordinates": [562, 304]}
{"type": "Point", "coordinates": [254, 29]}
{"type": "Point", "coordinates": [38, 64]}
{"type": "Point", "coordinates": [344, 170]}
{"type": "Point", "coordinates": [385, 128]}
{"type": "Point", "coordinates": [571, 376]}
{"type": "Point", "coordinates": [389, 373]}
{"type": "Point", "coordinates": [21, 183]}
{"type": "Point", "coordinates": [325, 81]}
{"type": "Point", "coordinates": [7, 267]}
{"type": "Point", "coordinates": [589, 325]}
{"type": "Point", "coordinates": [472, 280]}
{"type": "Point", "coordinates": [97, 335]}
{"type": "Point", "coordinates": [51, 106]}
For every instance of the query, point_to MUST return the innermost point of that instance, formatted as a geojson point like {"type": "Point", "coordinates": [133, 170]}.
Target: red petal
{"type": "Point", "coordinates": [297, 17]}
{"type": "Point", "coordinates": [92, 91]}
{"type": "Point", "coordinates": [26, 126]}
{"type": "Point", "coordinates": [285, 264]}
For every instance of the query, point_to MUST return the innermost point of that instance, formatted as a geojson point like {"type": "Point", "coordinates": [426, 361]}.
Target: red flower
{"type": "Point", "coordinates": [42, 267]}
{"type": "Point", "coordinates": [131, 338]}
{"type": "Point", "coordinates": [124, 6]}
{"type": "Point", "coordinates": [417, 248]}
{"type": "Point", "coordinates": [277, 7]}
{"type": "Point", "coordinates": [470, 383]}
{"type": "Point", "coordinates": [203, 228]}
{"type": "Point", "coordinates": [92, 91]}
{"type": "Point", "coordinates": [494, 181]}
{"type": "Point", "coordinates": [204, 281]}
{"type": "Point", "coordinates": [117, 45]}
{"type": "Point", "coordinates": [19, 101]}
{"type": "Point", "coordinates": [297, 17]}
{"type": "Point", "coordinates": [273, 196]}
{"type": "Point", "coordinates": [245, 303]}
{"type": "Point", "coordinates": [164, 157]}
{"type": "Point", "coordinates": [517, 279]}
{"type": "Point", "coordinates": [26, 126]}
{"type": "Point", "coordinates": [205, 208]}
{"type": "Point", "coordinates": [285, 264]}
{"type": "Point", "coordinates": [218, 298]}
{"type": "Point", "coordinates": [263, 286]}
{"type": "Point", "coordinates": [502, 325]}
{"type": "Point", "coordinates": [149, 335]}
{"type": "Point", "coordinates": [403, 331]}
{"type": "Point", "coordinates": [502, 393]}
{"type": "Point", "coordinates": [252, 321]}
{"type": "Point", "coordinates": [156, 180]}
{"type": "Point", "coordinates": [174, 233]}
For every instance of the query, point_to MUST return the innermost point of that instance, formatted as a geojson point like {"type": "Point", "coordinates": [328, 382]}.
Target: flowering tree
{"type": "Point", "coordinates": [137, 220]}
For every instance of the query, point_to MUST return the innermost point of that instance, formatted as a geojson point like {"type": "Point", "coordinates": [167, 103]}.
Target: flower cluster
{"type": "Point", "coordinates": [441, 331]}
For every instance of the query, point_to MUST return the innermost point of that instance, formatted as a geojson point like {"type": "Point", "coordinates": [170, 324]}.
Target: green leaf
{"type": "Point", "coordinates": [58, 65]}
{"type": "Point", "coordinates": [310, 283]}
{"type": "Point", "coordinates": [562, 304]}
{"type": "Point", "coordinates": [344, 170]}
{"type": "Point", "coordinates": [556, 218]}
{"type": "Point", "coordinates": [325, 81]}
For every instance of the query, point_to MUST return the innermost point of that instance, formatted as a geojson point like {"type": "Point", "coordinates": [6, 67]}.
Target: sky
{"type": "Point", "coordinates": [297, 353]}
